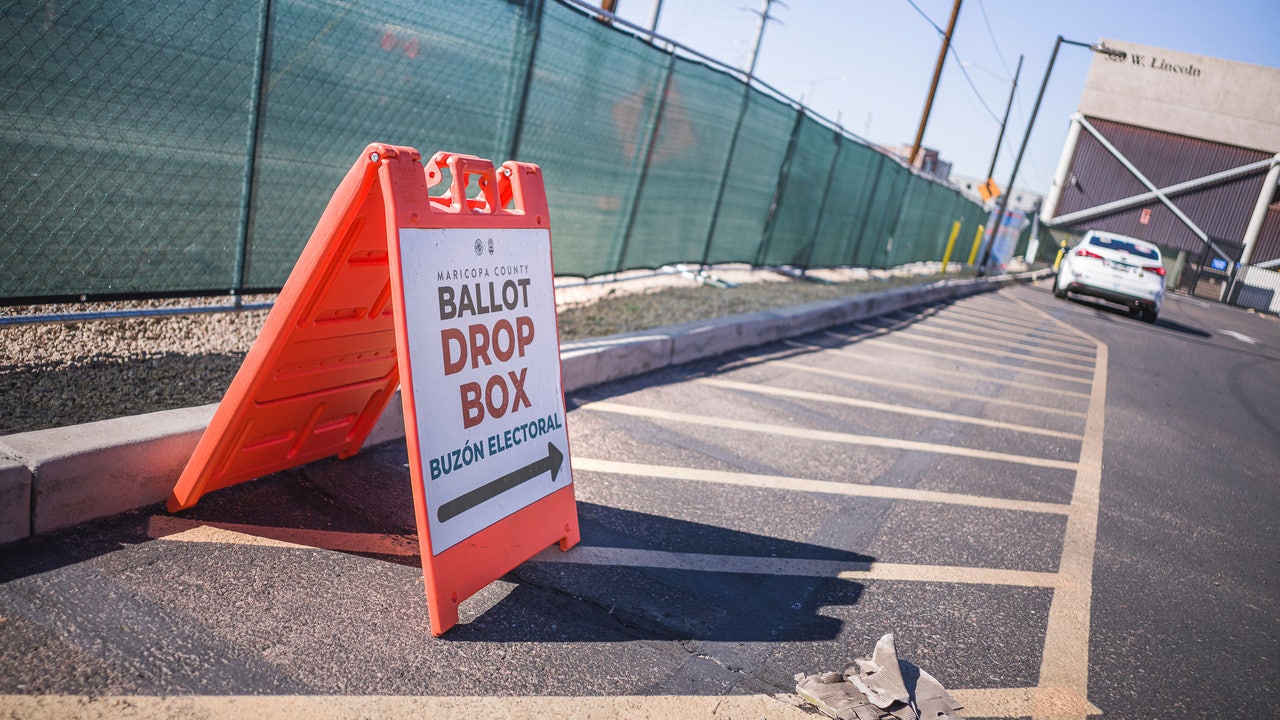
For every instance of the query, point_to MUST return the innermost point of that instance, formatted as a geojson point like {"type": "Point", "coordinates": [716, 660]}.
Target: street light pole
{"type": "Point", "coordinates": [1026, 137]}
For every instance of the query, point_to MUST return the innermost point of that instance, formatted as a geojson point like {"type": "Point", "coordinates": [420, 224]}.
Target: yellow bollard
{"type": "Point", "coordinates": [951, 243]}
{"type": "Point", "coordinates": [977, 242]}
{"type": "Point", "coordinates": [1058, 260]}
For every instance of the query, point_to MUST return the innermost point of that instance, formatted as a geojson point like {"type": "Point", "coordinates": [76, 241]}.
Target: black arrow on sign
{"type": "Point", "coordinates": [494, 488]}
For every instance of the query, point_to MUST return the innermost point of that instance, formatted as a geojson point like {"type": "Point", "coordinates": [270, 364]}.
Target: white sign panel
{"type": "Point", "coordinates": [485, 364]}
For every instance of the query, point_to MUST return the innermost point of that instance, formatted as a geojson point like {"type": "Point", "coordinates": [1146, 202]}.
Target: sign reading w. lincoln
{"type": "Point", "coordinates": [480, 316]}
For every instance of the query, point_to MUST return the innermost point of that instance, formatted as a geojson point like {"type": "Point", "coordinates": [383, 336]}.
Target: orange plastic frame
{"type": "Point", "coordinates": [334, 347]}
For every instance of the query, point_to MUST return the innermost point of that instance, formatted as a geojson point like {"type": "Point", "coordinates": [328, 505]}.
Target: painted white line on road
{"type": "Point", "coordinates": [975, 348]}
{"type": "Point", "coordinates": [973, 341]}
{"type": "Point", "coordinates": [779, 482]}
{"type": "Point", "coordinates": [959, 314]}
{"type": "Point", "coordinates": [998, 306]}
{"type": "Point", "coordinates": [826, 435]}
{"type": "Point", "coordinates": [989, 332]}
{"type": "Point", "coordinates": [794, 567]}
{"type": "Point", "coordinates": [1239, 336]}
{"type": "Point", "coordinates": [973, 310]}
{"type": "Point", "coordinates": [850, 352]}
{"type": "Point", "coordinates": [884, 407]}
{"type": "Point", "coordinates": [1065, 325]}
{"type": "Point", "coordinates": [1066, 644]}
{"type": "Point", "coordinates": [988, 337]}
{"type": "Point", "coordinates": [1064, 666]}
{"type": "Point", "coordinates": [880, 342]}
{"type": "Point", "coordinates": [866, 379]}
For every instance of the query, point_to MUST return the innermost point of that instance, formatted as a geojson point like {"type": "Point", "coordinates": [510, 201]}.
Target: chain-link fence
{"type": "Point", "coordinates": [172, 147]}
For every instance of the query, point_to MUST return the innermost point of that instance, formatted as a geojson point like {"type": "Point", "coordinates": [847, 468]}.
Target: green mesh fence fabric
{"type": "Point", "coordinates": [161, 148]}
{"type": "Point", "coordinates": [751, 180]}
{"type": "Point", "coordinates": [689, 151]}
{"type": "Point", "coordinates": [789, 234]}
{"type": "Point", "coordinates": [916, 218]}
{"type": "Point", "coordinates": [122, 145]}
{"type": "Point", "coordinates": [845, 200]}
{"type": "Point", "coordinates": [592, 105]}
{"type": "Point", "coordinates": [343, 74]}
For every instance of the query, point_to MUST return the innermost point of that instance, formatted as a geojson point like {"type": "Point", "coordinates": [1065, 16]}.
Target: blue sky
{"type": "Point", "coordinates": [869, 62]}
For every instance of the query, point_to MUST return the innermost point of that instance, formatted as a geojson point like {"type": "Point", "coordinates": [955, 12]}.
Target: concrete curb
{"type": "Point", "coordinates": [56, 478]}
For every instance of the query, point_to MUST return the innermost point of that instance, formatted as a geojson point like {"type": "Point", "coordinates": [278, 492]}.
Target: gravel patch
{"type": "Point", "coordinates": [74, 371]}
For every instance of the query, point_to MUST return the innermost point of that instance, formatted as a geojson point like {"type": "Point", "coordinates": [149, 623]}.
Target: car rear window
{"type": "Point", "coordinates": [1125, 246]}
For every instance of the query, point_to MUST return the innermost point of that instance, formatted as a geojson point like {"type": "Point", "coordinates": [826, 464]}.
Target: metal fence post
{"type": "Point", "coordinates": [648, 157]}
{"type": "Point", "coordinates": [533, 14]}
{"type": "Point", "coordinates": [866, 210]}
{"type": "Point", "coordinates": [826, 194]}
{"type": "Point", "coordinates": [724, 174]}
{"type": "Point", "coordinates": [902, 195]}
{"type": "Point", "coordinates": [251, 147]}
{"type": "Point", "coordinates": [784, 171]}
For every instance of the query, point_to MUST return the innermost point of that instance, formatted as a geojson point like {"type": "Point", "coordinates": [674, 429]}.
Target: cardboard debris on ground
{"type": "Point", "coordinates": [879, 687]}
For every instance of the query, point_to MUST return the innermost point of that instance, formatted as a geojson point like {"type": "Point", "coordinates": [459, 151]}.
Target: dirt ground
{"type": "Point", "coordinates": [68, 370]}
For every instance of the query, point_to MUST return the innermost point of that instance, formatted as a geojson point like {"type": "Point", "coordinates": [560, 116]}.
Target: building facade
{"type": "Point", "coordinates": [1182, 150]}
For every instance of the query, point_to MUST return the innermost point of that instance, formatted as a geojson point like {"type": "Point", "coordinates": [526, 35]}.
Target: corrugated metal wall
{"type": "Point", "coordinates": [1222, 210]}
{"type": "Point", "coordinates": [1268, 247]}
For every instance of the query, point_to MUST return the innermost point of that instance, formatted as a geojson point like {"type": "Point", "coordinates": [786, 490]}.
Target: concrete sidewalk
{"type": "Point", "coordinates": [56, 478]}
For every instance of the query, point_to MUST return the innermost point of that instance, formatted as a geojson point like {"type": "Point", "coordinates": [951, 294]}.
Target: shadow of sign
{"type": "Point", "coordinates": [670, 579]}
{"type": "Point", "coordinates": [660, 577]}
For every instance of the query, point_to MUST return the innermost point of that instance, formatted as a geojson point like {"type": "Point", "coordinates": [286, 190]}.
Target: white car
{"type": "Point", "coordinates": [1115, 268]}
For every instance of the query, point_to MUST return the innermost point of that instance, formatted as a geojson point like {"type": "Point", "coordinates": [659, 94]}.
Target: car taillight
{"type": "Point", "coordinates": [1157, 269]}
{"type": "Point", "coordinates": [1086, 253]}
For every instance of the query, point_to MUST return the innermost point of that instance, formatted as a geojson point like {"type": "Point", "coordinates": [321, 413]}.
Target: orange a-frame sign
{"type": "Point", "coordinates": [452, 298]}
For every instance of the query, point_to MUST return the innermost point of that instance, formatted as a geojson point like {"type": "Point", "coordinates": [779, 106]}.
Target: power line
{"type": "Point", "coordinates": [926, 17]}
{"type": "Point", "coordinates": [992, 35]}
{"type": "Point", "coordinates": [956, 55]}
{"type": "Point", "coordinates": [973, 87]}
{"type": "Point", "coordinates": [964, 71]}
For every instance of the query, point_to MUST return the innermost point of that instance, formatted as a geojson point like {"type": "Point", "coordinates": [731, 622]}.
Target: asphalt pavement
{"type": "Point", "coordinates": [1057, 510]}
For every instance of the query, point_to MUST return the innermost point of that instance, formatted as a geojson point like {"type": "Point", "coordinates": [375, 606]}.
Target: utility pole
{"type": "Point", "coordinates": [765, 17]}
{"type": "Point", "coordinates": [737, 132]}
{"type": "Point", "coordinates": [611, 9]}
{"type": "Point", "coordinates": [1026, 137]}
{"type": "Point", "coordinates": [933, 87]}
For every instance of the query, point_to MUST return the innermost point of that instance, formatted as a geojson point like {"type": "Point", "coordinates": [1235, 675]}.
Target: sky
{"type": "Point", "coordinates": [868, 63]}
